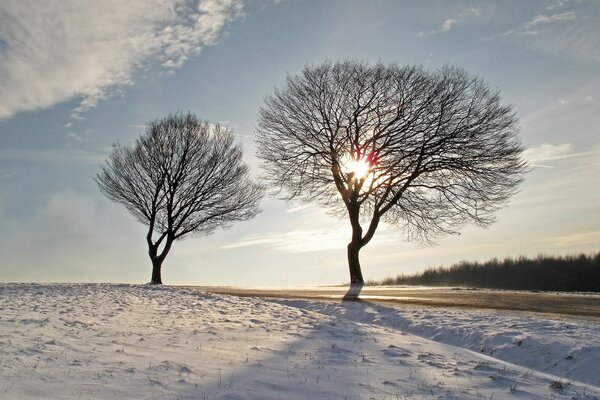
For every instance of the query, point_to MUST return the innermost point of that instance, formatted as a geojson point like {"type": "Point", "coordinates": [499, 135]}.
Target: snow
{"type": "Point", "coordinates": [84, 341]}
{"type": "Point", "coordinates": [563, 346]}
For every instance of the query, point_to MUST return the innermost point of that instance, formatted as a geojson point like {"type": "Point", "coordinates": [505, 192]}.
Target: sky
{"type": "Point", "coordinates": [78, 76]}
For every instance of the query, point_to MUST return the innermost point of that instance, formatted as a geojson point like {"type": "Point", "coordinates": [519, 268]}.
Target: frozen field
{"type": "Point", "coordinates": [127, 342]}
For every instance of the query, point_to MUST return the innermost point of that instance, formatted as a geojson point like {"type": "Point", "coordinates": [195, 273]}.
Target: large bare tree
{"type": "Point", "coordinates": [182, 176]}
{"type": "Point", "coordinates": [425, 151]}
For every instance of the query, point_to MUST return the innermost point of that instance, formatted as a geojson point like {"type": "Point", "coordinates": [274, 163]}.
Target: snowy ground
{"type": "Point", "coordinates": [126, 342]}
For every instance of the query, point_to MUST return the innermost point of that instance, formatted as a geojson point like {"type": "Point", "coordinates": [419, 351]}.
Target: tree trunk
{"type": "Point", "coordinates": [355, 245]}
{"type": "Point", "coordinates": [157, 259]}
{"type": "Point", "coordinates": [156, 265]}
{"type": "Point", "coordinates": [356, 277]}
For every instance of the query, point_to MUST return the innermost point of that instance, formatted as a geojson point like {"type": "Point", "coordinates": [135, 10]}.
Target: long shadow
{"type": "Point", "coordinates": [316, 364]}
{"type": "Point", "coordinates": [308, 362]}
{"type": "Point", "coordinates": [353, 292]}
{"type": "Point", "coordinates": [353, 306]}
{"type": "Point", "coordinates": [329, 359]}
{"type": "Point", "coordinates": [393, 317]}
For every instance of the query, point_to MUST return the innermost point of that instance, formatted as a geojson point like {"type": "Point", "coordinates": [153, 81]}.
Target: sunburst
{"type": "Point", "coordinates": [359, 169]}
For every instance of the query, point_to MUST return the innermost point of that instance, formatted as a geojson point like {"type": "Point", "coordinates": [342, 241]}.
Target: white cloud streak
{"type": "Point", "coordinates": [446, 26]}
{"type": "Point", "coordinates": [546, 19]}
{"type": "Point", "coordinates": [551, 152]}
{"type": "Point", "coordinates": [534, 25]}
{"type": "Point", "coordinates": [307, 240]}
{"type": "Point", "coordinates": [572, 34]}
{"type": "Point", "coordinates": [450, 23]}
{"type": "Point", "coordinates": [558, 5]}
{"type": "Point", "coordinates": [546, 152]}
{"type": "Point", "coordinates": [297, 241]}
{"type": "Point", "coordinates": [56, 50]}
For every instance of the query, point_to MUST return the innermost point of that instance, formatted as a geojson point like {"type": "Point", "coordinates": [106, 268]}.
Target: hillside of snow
{"type": "Point", "coordinates": [85, 341]}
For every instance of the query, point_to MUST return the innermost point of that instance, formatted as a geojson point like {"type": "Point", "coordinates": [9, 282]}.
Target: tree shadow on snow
{"type": "Point", "coordinates": [314, 357]}
{"type": "Point", "coordinates": [353, 293]}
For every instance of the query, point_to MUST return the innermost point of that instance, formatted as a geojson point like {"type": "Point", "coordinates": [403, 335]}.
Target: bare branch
{"type": "Point", "coordinates": [182, 176]}
{"type": "Point", "coordinates": [441, 149]}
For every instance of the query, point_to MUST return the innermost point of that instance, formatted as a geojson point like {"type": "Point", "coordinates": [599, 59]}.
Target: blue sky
{"type": "Point", "coordinates": [78, 76]}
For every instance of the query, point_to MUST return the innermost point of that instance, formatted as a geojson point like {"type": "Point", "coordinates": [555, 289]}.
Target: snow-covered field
{"type": "Point", "coordinates": [125, 342]}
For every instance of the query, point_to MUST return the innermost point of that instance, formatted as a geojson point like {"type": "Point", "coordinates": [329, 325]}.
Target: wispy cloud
{"type": "Point", "coordinates": [446, 26]}
{"type": "Point", "coordinates": [51, 51]}
{"type": "Point", "coordinates": [307, 240]}
{"type": "Point", "coordinates": [450, 23]}
{"type": "Point", "coordinates": [546, 19]}
{"type": "Point", "coordinates": [297, 241]}
{"type": "Point", "coordinates": [533, 26]}
{"type": "Point", "coordinates": [558, 5]}
{"type": "Point", "coordinates": [546, 152]}
{"type": "Point", "coordinates": [550, 152]}
{"type": "Point", "coordinates": [572, 32]}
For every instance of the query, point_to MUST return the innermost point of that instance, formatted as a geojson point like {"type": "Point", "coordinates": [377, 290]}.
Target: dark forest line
{"type": "Point", "coordinates": [570, 273]}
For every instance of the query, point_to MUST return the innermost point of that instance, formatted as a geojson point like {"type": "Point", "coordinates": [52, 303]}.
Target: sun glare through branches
{"type": "Point", "coordinates": [360, 169]}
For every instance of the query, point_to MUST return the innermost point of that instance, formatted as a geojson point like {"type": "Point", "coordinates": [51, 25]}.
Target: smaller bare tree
{"type": "Point", "coordinates": [182, 176]}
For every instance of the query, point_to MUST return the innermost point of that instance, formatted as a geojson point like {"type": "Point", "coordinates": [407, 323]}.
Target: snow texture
{"type": "Point", "coordinates": [83, 341]}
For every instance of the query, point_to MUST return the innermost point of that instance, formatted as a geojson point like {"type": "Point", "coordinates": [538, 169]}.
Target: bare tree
{"type": "Point", "coordinates": [182, 176]}
{"type": "Point", "coordinates": [425, 151]}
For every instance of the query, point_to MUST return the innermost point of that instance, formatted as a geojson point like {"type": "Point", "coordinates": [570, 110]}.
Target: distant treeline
{"type": "Point", "coordinates": [555, 273]}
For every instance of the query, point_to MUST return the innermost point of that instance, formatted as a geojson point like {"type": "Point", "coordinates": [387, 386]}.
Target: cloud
{"type": "Point", "coordinates": [546, 19]}
{"type": "Point", "coordinates": [551, 152]}
{"type": "Point", "coordinates": [54, 51]}
{"type": "Point", "coordinates": [558, 5]}
{"type": "Point", "coordinates": [446, 26]}
{"type": "Point", "coordinates": [297, 241]}
{"type": "Point", "coordinates": [450, 23]}
{"type": "Point", "coordinates": [546, 152]}
{"type": "Point", "coordinates": [307, 240]}
{"type": "Point", "coordinates": [534, 25]}
{"type": "Point", "coordinates": [573, 33]}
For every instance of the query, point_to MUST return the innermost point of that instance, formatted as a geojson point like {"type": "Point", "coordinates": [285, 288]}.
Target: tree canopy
{"type": "Point", "coordinates": [182, 176]}
{"type": "Point", "coordinates": [425, 151]}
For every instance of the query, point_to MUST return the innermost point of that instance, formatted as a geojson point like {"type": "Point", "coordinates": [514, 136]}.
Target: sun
{"type": "Point", "coordinates": [358, 168]}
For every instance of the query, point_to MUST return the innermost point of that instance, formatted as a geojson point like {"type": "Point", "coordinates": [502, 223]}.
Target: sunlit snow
{"type": "Point", "coordinates": [83, 341]}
